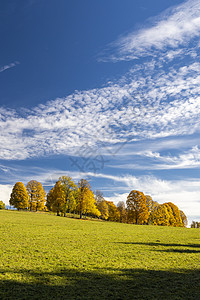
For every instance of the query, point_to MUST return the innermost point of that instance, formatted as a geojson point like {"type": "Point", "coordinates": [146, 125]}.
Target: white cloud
{"type": "Point", "coordinates": [188, 159]}
{"type": "Point", "coordinates": [5, 191]}
{"type": "Point", "coordinates": [172, 29]}
{"type": "Point", "coordinates": [183, 193]}
{"type": "Point", "coordinates": [141, 106]}
{"type": "Point", "coordinates": [153, 100]}
{"type": "Point", "coordinates": [6, 67]}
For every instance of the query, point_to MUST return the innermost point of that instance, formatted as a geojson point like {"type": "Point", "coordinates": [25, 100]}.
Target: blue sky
{"type": "Point", "coordinates": [103, 90]}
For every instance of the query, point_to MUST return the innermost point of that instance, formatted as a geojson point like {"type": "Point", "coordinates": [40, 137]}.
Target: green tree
{"type": "Point", "coordinates": [36, 195]}
{"type": "Point", "coordinates": [70, 189]}
{"type": "Point", "coordinates": [2, 205]}
{"type": "Point", "coordinates": [137, 208]}
{"type": "Point", "coordinates": [19, 196]}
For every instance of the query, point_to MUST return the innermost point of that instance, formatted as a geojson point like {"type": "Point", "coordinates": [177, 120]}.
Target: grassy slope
{"type": "Point", "coordinates": [47, 257]}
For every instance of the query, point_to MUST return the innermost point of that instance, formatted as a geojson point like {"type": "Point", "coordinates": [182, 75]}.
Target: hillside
{"type": "Point", "coordinates": [49, 257]}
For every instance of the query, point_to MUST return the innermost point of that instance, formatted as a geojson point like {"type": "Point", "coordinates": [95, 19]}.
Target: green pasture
{"type": "Point", "coordinates": [43, 256]}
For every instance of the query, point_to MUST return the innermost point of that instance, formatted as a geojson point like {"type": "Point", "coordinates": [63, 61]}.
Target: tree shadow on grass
{"type": "Point", "coordinates": [113, 284]}
{"type": "Point", "coordinates": [161, 244]}
{"type": "Point", "coordinates": [189, 251]}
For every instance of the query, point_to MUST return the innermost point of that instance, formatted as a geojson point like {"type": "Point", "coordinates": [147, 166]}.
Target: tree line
{"type": "Point", "coordinates": [68, 197]}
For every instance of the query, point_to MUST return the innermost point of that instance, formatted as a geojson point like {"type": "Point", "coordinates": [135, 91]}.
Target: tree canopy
{"type": "Point", "coordinates": [36, 195]}
{"type": "Point", "coordinates": [138, 212]}
{"type": "Point", "coordinates": [19, 196]}
{"type": "Point", "coordinates": [2, 205]}
{"type": "Point", "coordinates": [68, 197]}
{"type": "Point", "coordinates": [86, 203]}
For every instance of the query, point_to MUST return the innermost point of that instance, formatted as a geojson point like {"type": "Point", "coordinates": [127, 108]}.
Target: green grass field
{"type": "Point", "coordinates": [47, 257]}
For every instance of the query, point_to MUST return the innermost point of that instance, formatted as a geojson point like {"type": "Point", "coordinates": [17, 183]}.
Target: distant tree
{"type": "Point", "coordinates": [2, 205]}
{"type": "Point", "coordinates": [122, 211]}
{"type": "Point", "coordinates": [70, 190]}
{"type": "Point", "coordinates": [137, 208]}
{"type": "Point", "coordinates": [99, 196]}
{"type": "Point", "coordinates": [195, 224]}
{"type": "Point", "coordinates": [36, 195]}
{"type": "Point", "coordinates": [114, 214]}
{"type": "Point", "coordinates": [19, 196]}
{"type": "Point", "coordinates": [184, 218]}
{"type": "Point", "coordinates": [86, 203]}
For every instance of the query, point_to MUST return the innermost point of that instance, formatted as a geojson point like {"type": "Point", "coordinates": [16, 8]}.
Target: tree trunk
{"type": "Point", "coordinates": [81, 214]}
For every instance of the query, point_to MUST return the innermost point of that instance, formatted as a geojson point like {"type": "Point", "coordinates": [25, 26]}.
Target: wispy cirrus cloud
{"type": "Point", "coordinates": [149, 160]}
{"type": "Point", "coordinates": [148, 104]}
{"type": "Point", "coordinates": [188, 159]}
{"type": "Point", "coordinates": [155, 99]}
{"type": "Point", "coordinates": [171, 30]}
{"type": "Point", "coordinates": [9, 66]}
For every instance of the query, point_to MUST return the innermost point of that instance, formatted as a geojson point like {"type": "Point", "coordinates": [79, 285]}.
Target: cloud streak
{"type": "Point", "coordinates": [172, 29]}
{"type": "Point", "coordinates": [6, 67]}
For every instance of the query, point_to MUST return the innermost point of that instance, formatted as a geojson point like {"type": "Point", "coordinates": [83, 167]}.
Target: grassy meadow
{"type": "Point", "coordinates": [43, 256]}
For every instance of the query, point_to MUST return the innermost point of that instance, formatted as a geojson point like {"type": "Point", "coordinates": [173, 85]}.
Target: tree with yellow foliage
{"type": "Point", "coordinates": [168, 214]}
{"type": "Point", "coordinates": [175, 216]}
{"type": "Point", "coordinates": [19, 196]}
{"type": "Point", "coordinates": [114, 214]}
{"type": "Point", "coordinates": [2, 205]}
{"type": "Point", "coordinates": [56, 199]}
{"type": "Point", "coordinates": [70, 189]}
{"type": "Point", "coordinates": [86, 203]}
{"type": "Point", "coordinates": [104, 210]}
{"type": "Point", "coordinates": [122, 211]}
{"type": "Point", "coordinates": [102, 206]}
{"type": "Point", "coordinates": [137, 208]}
{"type": "Point", "coordinates": [36, 195]}
{"type": "Point", "coordinates": [160, 216]}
